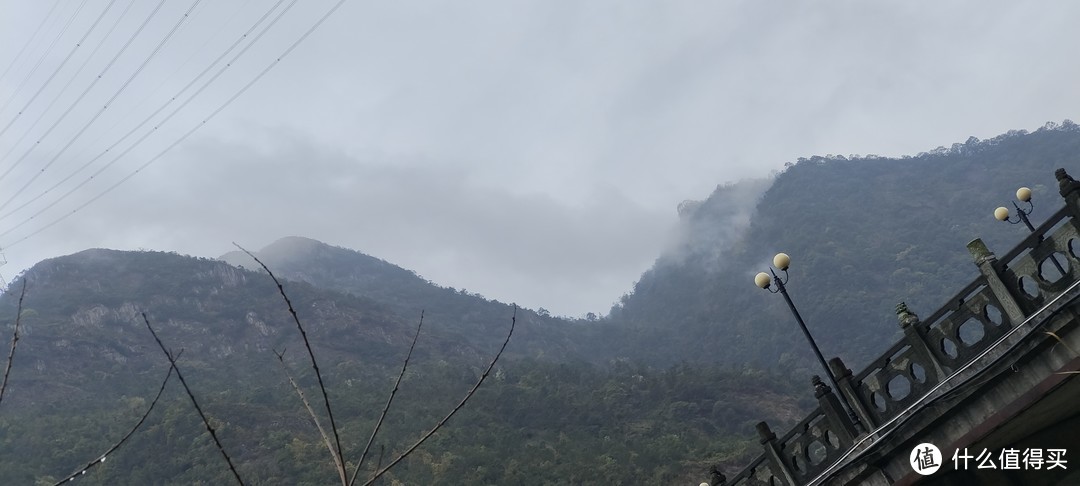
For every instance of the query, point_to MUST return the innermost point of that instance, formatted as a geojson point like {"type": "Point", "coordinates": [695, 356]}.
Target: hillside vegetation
{"type": "Point", "coordinates": [86, 368]}
{"type": "Point", "coordinates": [667, 384]}
{"type": "Point", "coordinates": [863, 233]}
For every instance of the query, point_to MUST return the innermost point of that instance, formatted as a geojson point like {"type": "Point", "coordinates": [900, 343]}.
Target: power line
{"type": "Point", "coordinates": [145, 120]}
{"type": "Point", "coordinates": [155, 113]}
{"type": "Point", "coordinates": [70, 80]}
{"type": "Point", "coordinates": [183, 137]}
{"type": "Point", "coordinates": [87, 90]}
{"type": "Point", "coordinates": [30, 40]}
{"type": "Point", "coordinates": [58, 68]}
{"type": "Point", "coordinates": [106, 106]}
{"type": "Point", "coordinates": [131, 112]}
{"type": "Point", "coordinates": [124, 86]}
{"type": "Point", "coordinates": [43, 56]}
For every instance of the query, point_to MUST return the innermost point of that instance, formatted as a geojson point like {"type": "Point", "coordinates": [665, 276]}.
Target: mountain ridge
{"type": "Point", "coordinates": [86, 364]}
{"type": "Point", "coordinates": [669, 382]}
{"type": "Point", "coordinates": [863, 235]}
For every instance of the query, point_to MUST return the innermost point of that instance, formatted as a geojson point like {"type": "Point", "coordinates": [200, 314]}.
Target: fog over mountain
{"type": "Point", "coordinates": [529, 150]}
{"type": "Point", "coordinates": [863, 233]}
{"type": "Point", "coordinates": [665, 385]}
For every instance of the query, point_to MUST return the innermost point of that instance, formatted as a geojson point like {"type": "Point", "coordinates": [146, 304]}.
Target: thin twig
{"type": "Point", "coordinates": [382, 450]}
{"type": "Point", "coordinates": [194, 402]}
{"type": "Point", "coordinates": [14, 341]}
{"type": "Point", "coordinates": [1062, 342]}
{"type": "Point", "coordinates": [356, 472]}
{"type": "Point", "coordinates": [513, 322]}
{"type": "Point", "coordinates": [116, 446]}
{"type": "Point", "coordinates": [311, 412]}
{"type": "Point", "coordinates": [311, 354]}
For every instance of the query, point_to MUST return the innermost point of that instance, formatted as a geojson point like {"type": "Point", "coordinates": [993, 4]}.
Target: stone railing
{"type": "Point", "coordinates": [1008, 290]}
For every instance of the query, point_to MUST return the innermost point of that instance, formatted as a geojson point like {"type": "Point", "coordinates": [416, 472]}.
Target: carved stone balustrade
{"type": "Point", "coordinates": [1007, 291]}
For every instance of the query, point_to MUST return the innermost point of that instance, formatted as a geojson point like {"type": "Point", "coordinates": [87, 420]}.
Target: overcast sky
{"type": "Point", "coordinates": [531, 151]}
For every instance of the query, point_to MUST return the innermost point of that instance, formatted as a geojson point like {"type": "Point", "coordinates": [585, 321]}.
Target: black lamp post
{"type": "Point", "coordinates": [1024, 195]}
{"type": "Point", "coordinates": [1002, 214]}
{"type": "Point", "coordinates": [782, 261]}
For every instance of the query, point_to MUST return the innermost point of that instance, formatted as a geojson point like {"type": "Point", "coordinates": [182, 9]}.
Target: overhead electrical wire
{"type": "Point", "coordinates": [70, 80]}
{"type": "Point", "coordinates": [87, 90]}
{"type": "Point", "coordinates": [29, 41]}
{"type": "Point", "coordinates": [104, 107]}
{"type": "Point", "coordinates": [58, 68]}
{"type": "Point", "coordinates": [44, 56]}
{"type": "Point", "coordinates": [108, 103]}
{"type": "Point", "coordinates": [156, 112]}
{"type": "Point", "coordinates": [86, 126]}
{"type": "Point", "coordinates": [187, 134]}
{"type": "Point", "coordinates": [142, 102]}
{"type": "Point", "coordinates": [132, 111]}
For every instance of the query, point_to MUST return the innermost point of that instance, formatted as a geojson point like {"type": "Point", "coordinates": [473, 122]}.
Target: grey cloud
{"type": "Point", "coordinates": [494, 239]}
{"type": "Point", "coordinates": [536, 150]}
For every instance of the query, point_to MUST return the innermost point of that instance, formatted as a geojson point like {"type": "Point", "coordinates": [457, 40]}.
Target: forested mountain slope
{"type": "Point", "coordinates": [468, 315]}
{"type": "Point", "coordinates": [670, 382]}
{"type": "Point", "coordinates": [864, 233]}
{"type": "Point", "coordinates": [86, 368]}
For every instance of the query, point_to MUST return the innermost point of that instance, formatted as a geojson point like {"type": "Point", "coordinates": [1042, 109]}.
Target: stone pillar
{"type": "Point", "coordinates": [916, 337]}
{"type": "Point", "coordinates": [985, 260]}
{"type": "Point", "coordinates": [716, 478]}
{"type": "Point", "coordinates": [1069, 189]}
{"type": "Point", "coordinates": [772, 454]}
{"type": "Point", "coordinates": [838, 420]}
{"type": "Point", "coordinates": [843, 380]}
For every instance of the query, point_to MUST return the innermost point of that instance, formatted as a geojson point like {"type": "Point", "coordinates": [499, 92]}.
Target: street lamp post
{"type": "Point", "coordinates": [1002, 214]}
{"type": "Point", "coordinates": [782, 261]}
{"type": "Point", "coordinates": [1024, 195]}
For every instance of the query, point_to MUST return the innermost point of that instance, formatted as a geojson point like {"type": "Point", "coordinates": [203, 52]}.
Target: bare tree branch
{"type": "Point", "coordinates": [311, 354]}
{"type": "Point", "coordinates": [390, 400]}
{"type": "Point", "coordinates": [382, 450]}
{"type": "Point", "coordinates": [14, 341]}
{"type": "Point", "coordinates": [513, 323]}
{"type": "Point", "coordinates": [329, 446]}
{"type": "Point", "coordinates": [117, 445]}
{"type": "Point", "coordinates": [194, 402]}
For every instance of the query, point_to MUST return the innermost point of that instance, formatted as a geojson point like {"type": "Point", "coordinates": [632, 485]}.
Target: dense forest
{"type": "Point", "coordinates": [667, 384]}
{"type": "Point", "coordinates": [536, 423]}
{"type": "Point", "coordinates": [864, 233]}
{"type": "Point", "coordinates": [87, 368]}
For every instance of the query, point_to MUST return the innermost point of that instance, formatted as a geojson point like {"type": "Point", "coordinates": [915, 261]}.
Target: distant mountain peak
{"type": "Point", "coordinates": [298, 247]}
{"type": "Point", "coordinates": [293, 252]}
